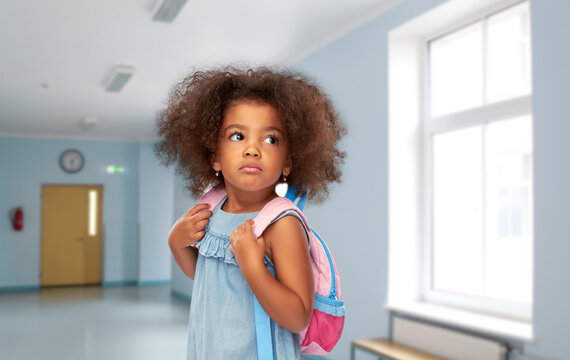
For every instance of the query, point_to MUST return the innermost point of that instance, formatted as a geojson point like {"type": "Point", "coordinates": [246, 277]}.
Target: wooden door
{"type": "Point", "coordinates": [71, 235]}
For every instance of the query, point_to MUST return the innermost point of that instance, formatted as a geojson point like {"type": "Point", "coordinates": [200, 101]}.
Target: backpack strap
{"type": "Point", "coordinates": [271, 211]}
{"type": "Point", "coordinates": [299, 199]}
{"type": "Point", "coordinates": [213, 197]}
{"type": "Point", "coordinates": [266, 216]}
{"type": "Point", "coordinates": [262, 332]}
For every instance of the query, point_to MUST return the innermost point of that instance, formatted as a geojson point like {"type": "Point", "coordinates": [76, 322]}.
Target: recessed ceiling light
{"type": "Point", "coordinates": [88, 123]}
{"type": "Point", "coordinates": [121, 74]}
{"type": "Point", "coordinates": [167, 10]}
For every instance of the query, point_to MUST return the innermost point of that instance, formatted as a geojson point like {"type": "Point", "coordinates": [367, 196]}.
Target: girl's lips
{"type": "Point", "coordinates": [250, 168]}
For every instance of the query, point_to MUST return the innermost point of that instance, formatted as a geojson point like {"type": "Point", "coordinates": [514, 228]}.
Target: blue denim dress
{"type": "Point", "coordinates": [222, 321]}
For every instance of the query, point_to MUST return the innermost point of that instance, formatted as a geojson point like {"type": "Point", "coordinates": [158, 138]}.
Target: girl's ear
{"type": "Point", "coordinates": [215, 162]}
{"type": "Point", "coordinates": [287, 167]}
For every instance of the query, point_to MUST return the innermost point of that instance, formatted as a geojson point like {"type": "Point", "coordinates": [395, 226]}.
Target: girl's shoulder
{"type": "Point", "coordinates": [286, 234]}
{"type": "Point", "coordinates": [287, 223]}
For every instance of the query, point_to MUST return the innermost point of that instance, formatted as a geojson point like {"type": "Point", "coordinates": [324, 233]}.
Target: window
{"type": "Point", "coordinates": [477, 136]}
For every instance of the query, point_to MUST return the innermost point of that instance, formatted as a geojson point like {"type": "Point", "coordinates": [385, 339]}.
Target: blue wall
{"type": "Point", "coordinates": [353, 70]}
{"type": "Point", "coordinates": [156, 196]}
{"type": "Point", "coordinates": [551, 106]}
{"type": "Point", "coordinates": [353, 220]}
{"type": "Point", "coordinates": [181, 284]}
{"type": "Point", "coordinates": [28, 163]}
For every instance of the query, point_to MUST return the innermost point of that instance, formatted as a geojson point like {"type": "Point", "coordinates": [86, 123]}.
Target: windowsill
{"type": "Point", "coordinates": [506, 328]}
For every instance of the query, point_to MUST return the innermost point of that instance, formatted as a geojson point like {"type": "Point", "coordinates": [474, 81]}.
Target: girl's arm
{"type": "Point", "coordinates": [288, 298]}
{"type": "Point", "coordinates": [185, 233]}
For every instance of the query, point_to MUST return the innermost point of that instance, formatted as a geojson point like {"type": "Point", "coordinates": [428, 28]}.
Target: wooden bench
{"type": "Point", "coordinates": [387, 349]}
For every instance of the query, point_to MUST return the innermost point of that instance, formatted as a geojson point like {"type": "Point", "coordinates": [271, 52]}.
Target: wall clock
{"type": "Point", "coordinates": [71, 161]}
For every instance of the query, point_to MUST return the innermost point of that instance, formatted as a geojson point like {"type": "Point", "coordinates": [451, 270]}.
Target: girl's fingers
{"type": "Point", "coordinates": [201, 215]}
{"type": "Point", "coordinates": [238, 233]}
{"type": "Point", "coordinates": [243, 231]}
{"type": "Point", "coordinates": [198, 220]}
{"type": "Point", "coordinates": [198, 235]}
{"type": "Point", "coordinates": [201, 224]}
{"type": "Point", "coordinates": [196, 209]}
{"type": "Point", "coordinates": [247, 227]}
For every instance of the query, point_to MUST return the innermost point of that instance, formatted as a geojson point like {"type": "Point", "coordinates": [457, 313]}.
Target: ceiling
{"type": "Point", "coordinates": [56, 56]}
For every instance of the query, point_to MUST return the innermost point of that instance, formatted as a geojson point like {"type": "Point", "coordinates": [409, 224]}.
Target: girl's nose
{"type": "Point", "coordinates": [251, 150]}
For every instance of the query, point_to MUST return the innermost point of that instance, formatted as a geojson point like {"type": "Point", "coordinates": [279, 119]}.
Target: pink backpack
{"type": "Point", "coordinates": [325, 328]}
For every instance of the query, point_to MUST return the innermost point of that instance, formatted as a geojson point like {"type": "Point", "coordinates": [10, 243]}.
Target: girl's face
{"type": "Point", "coordinates": [252, 149]}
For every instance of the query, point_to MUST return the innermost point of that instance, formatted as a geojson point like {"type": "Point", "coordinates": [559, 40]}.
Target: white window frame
{"type": "Point", "coordinates": [482, 115]}
{"type": "Point", "coordinates": [407, 195]}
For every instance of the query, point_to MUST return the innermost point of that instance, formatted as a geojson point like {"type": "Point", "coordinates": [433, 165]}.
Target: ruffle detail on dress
{"type": "Point", "coordinates": [216, 246]}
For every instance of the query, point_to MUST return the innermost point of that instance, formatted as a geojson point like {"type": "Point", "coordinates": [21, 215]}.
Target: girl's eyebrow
{"type": "Point", "coordinates": [241, 127]}
{"type": "Point", "coordinates": [244, 128]}
{"type": "Point", "coordinates": [273, 128]}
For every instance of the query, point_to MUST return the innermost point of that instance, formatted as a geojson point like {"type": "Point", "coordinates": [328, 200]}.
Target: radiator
{"type": "Point", "coordinates": [446, 343]}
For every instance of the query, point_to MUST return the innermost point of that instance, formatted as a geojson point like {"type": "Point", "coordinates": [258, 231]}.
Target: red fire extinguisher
{"type": "Point", "coordinates": [17, 217]}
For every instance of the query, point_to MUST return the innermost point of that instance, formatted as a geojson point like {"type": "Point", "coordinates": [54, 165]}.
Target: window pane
{"type": "Point", "coordinates": [456, 71]}
{"type": "Point", "coordinates": [92, 227]}
{"type": "Point", "coordinates": [508, 54]}
{"type": "Point", "coordinates": [508, 256]}
{"type": "Point", "coordinates": [457, 211]}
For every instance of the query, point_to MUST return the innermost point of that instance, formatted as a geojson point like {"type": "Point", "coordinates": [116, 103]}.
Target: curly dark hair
{"type": "Point", "coordinates": [189, 126]}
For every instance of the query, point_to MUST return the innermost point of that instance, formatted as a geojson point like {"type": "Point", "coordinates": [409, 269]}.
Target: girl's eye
{"type": "Point", "coordinates": [271, 140]}
{"type": "Point", "coordinates": [236, 136]}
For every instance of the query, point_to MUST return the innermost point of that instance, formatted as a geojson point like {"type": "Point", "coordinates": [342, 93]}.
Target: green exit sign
{"type": "Point", "coordinates": [115, 169]}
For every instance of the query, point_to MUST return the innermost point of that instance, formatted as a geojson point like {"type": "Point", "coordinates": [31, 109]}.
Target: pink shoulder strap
{"type": "Point", "coordinates": [213, 197]}
{"type": "Point", "coordinates": [271, 211]}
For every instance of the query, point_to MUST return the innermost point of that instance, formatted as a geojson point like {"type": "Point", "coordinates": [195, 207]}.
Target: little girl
{"type": "Point", "coordinates": [247, 131]}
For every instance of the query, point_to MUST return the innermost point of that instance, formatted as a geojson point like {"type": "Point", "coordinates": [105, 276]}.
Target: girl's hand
{"type": "Point", "coordinates": [248, 251]}
{"type": "Point", "coordinates": [189, 229]}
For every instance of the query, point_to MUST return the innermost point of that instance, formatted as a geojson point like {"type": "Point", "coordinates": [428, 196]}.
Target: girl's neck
{"type": "Point", "coordinates": [247, 202]}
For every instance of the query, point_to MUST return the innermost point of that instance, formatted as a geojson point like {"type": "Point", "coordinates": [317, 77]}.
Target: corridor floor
{"type": "Point", "coordinates": [93, 323]}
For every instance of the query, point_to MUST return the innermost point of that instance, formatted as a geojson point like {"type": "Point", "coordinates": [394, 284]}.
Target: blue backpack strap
{"type": "Point", "coordinates": [262, 332]}
{"type": "Point", "coordinates": [297, 198]}
{"type": "Point", "coordinates": [262, 320]}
